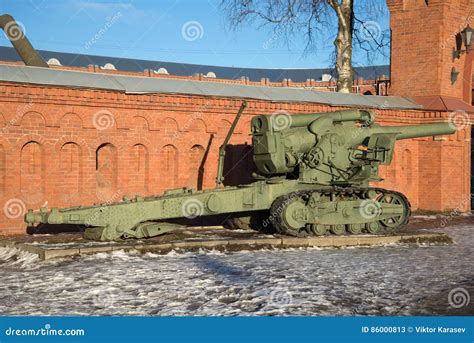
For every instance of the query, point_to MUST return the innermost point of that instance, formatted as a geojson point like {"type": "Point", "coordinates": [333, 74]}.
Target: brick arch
{"type": "Point", "coordinates": [169, 166]}
{"type": "Point", "coordinates": [106, 170]}
{"type": "Point", "coordinates": [70, 120]}
{"type": "Point", "coordinates": [118, 143]}
{"type": "Point", "coordinates": [71, 172]}
{"type": "Point", "coordinates": [169, 125]}
{"type": "Point", "coordinates": [20, 142]}
{"type": "Point", "coordinates": [140, 123]}
{"type": "Point", "coordinates": [87, 150]}
{"type": "Point", "coordinates": [32, 172]}
{"type": "Point", "coordinates": [149, 117]}
{"type": "Point", "coordinates": [223, 127]}
{"type": "Point", "coordinates": [195, 168]}
{"type": "Point", "coordinates": [141, 140]}
{"type": "Point", "coordinates": [32, 119]}
{"type": "Point", "coordinates": [197, 125]}
{"type": "Point", "coordinates": [139, 169]}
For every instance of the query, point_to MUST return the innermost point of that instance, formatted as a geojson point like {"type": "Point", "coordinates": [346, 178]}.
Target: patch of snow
{"type": "Point", "coordinates": [383, 280]}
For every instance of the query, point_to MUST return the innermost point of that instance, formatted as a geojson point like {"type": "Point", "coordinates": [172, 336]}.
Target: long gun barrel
{"type": "Point", "coordinates": [19, 41]}
{"type": "Point", "coordinates": [416, 131]}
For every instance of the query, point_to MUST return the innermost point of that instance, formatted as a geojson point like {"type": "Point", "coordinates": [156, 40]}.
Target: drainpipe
{"type": "Point", "coordinates": [21, 44]}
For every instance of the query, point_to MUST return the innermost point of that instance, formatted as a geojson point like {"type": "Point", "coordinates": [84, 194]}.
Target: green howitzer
{"type": "Point", "coordinates": [313, 174]}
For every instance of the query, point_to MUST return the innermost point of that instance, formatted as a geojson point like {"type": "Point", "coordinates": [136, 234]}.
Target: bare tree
{"type": "Point", "coordinates": [310, 17]}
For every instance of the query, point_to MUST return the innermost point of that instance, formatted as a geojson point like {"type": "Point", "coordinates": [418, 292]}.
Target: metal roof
{"type": "Point", "coordinates": [187, 69]}
{"type": "Point", "coordinates": [143, 85]}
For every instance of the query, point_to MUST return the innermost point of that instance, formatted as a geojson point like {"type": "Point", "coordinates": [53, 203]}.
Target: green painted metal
{"type": "Point", "coordinates": [220, 162]}
{"type": "Point", "coordinates": [313, 178]}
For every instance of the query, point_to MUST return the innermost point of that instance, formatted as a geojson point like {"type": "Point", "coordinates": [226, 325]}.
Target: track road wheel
{"type": "Point", "coordinates": [319, 229]}
{"type": "Point", "coordinates": [338, 229]}
{"type": "Point", "coordinates": [396, 198]}
{"type": "Point", "coordinates": [355, 229]}
{"type": "Point", "coordinates": [372, 227]}
{"type": "Point", "coordinates": [284, 215]}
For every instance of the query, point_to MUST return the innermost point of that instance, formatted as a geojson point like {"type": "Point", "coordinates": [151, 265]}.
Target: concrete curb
{"type": "Point", "coordinates": [46, 253]}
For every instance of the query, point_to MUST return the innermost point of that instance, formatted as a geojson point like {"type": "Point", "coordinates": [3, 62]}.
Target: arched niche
{"type": "Point", "coordinates": [139, 168]}
{"type": "Point", "coordinates": [70, 167]}
{"type": "Point", "coordinates": [168, 167]}
{"type": "Point", "coordinates": [32, 172]}
{"type": "Point", "coordinates": [195, 167]}
{"type": "Point", "coordinates": [106, 171]}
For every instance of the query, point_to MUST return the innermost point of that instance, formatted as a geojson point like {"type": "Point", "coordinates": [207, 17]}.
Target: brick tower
{"type": "Point", "coordinates": [423, 37]}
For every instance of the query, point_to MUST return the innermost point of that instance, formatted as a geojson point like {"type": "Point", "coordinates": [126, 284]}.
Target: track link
{"type": "Point", "coordinates": [300, 199]}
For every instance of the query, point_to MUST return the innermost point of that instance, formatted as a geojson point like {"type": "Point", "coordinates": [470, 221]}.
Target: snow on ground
{"type": "Point", "coordinates": [392, 280]}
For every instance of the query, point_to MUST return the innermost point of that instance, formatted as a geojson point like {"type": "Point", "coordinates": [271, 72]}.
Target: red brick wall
{"type": "Point", "coordinates": [68, 147]}
{"type": "Point", "coordinates": [423, 36]}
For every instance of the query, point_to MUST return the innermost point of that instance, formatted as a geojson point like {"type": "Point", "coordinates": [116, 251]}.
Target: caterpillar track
{"type": "Point", "coordinates": [281, 219]}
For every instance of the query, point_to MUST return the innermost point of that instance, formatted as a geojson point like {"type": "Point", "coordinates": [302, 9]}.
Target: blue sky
{"type": "Point", "coordinates": [156, 30]}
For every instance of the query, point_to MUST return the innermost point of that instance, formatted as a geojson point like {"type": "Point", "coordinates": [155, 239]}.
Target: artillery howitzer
{"type": "Point", "coordinates": [313, 174]}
